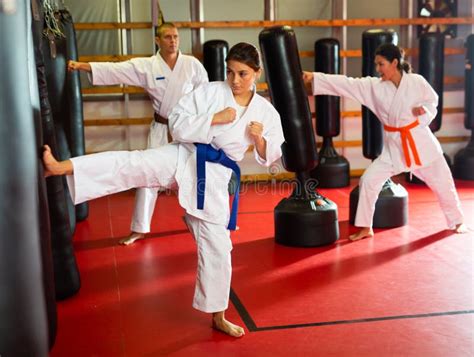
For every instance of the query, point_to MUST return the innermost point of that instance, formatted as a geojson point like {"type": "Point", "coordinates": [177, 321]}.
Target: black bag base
{"type": "Point", "coordinates": [391, 209]}
{"type": "Point", "coordinates": [463, 168]}
{"type": "Point", "coordinates": [302, 223]}
{"type": "Point", "coordinates": [332, 172]}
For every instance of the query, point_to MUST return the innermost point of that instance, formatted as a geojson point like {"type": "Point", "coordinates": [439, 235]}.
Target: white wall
{"type": "Point", "coordinates": [134, 137]}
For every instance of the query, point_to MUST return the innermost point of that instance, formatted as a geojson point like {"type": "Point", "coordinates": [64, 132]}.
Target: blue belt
{"type": "Point", "coordinates": [205, 152]}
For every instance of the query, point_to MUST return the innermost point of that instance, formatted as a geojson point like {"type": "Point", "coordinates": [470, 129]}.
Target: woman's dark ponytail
{"type": "Point", "coordinates": [392, 52]}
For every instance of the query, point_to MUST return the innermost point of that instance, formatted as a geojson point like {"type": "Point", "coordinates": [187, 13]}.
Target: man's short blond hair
{"type": "Point", "coordinates": [165, 25]}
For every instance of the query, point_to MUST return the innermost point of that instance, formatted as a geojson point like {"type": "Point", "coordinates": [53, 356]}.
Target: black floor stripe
{"type": "Point", "coordinates": [252, 327]}
{"type": "Point", "coordinates": [244, 315]}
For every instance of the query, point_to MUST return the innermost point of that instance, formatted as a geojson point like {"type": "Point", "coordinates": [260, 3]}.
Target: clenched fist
{"type": "Point", "coordinates": [417, 111]}
{"type": "Point", "coordinates": [225, 116]}
{"type": "Point", "coordinates": [80, 66]}
{"type": "Point", "coordinates": [255, 130]}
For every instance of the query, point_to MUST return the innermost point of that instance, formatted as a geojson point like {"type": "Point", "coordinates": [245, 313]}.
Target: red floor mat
{"type": "Point", "coordinates": [408, 291]}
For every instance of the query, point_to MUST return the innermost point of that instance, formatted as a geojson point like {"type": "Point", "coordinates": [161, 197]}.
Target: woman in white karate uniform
{"type": "Point", "coordinates": [405, 103]}
{"type": "Point", "coordinates": [224, 118]}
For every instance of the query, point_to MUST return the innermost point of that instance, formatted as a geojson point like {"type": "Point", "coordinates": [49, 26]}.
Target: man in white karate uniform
{"type": "Point", "coordinates": [166, 77]}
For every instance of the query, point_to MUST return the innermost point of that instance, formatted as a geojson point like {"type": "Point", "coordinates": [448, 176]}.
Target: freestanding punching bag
{"type": "Point", "coordinates": [23, 319]}
{"type": "Point", "coordinates": [66, 273]}
{"type": "Point", "coordinates": [463, 167]}
{"type": "Point", "coordinates": [306, 218]}
{"type": "Point", "coordinates": [214, 54]}
{"type": "Point", "coordinates": [431, 67]}
{"type": "Point", "coordinates": [39, 94]}
{"type": "Point", "coordinates": [391, 208]}
{"type": "Point", "coordinates": [332, 169]}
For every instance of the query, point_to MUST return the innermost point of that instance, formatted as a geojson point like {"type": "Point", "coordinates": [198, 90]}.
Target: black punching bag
{"type": "Point", "coordinates": [431, 67]}
{"type": "Point", "coordinates": [23, 319]}
{"type": "Point", "coordinates": [306, 218]}
{"type": "Point", "coordinates": [40, 93]}
{"type": "Point", "coordinates": [66, 273]}
{"type": "Point", "coordinates": [55, 59]}
{"type": "Point", "coordinates": [372, 129]}
{"type": "Point", "coordinates": [214, 54]}
{"type": "Point", "coordinates": [463, 167]}
{"type": "Point", "coordinates": [74, 113]}
{"type": "Point", "coordinates": [333, 169]}
{"type": "Point", "coordinates": [391, 208]}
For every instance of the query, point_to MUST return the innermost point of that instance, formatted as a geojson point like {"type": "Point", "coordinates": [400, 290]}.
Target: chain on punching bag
{"type": "Point", "coordinates": [41, 93]}
{"type": "Point", "coordinates": [332, 170]}
{"type": "Point", "coordinates": [23, 320]}
{"type": "Point", "coordinates": [463, 167]}
{"type": "Point", "coordinates": [306, 218]}
{"type": "Point", "coordinates": [391, 208]}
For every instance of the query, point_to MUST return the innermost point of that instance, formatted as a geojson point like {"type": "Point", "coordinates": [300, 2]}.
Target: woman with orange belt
{"type": "Point", "coordinates": [405, 103]}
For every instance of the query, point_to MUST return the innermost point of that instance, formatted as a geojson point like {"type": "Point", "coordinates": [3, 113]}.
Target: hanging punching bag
{"type": "Point", "coordinates": [463, 167]}
{"type": "Point", "coordinates": [23, 319]}
{"type": "Point", "coordinates": [74, 113]}
{"type": "Point", "coordinates": [40, 95]}
{"type": "Point", "coordinates": [55, 59]}
{"type": "Point", "coordinates": [332, 169]}
{"type": "Point", "coordinates": [391, 208]}
{"type": "Point", "coordinates": [214, 55]}
{"type": "Point", "coordinates": [306, 218]}
{"type": "Point", "coordinates": [66, 274]}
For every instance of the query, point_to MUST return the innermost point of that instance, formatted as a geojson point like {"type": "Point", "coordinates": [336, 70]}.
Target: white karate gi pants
{"type": "Point", "coordinates": [214, 268]}
{"type": "Point", "coordinates": [436, 175]}
{"type": "Point", "coordinates": [105, 173]}
{"type": "Point", "coordinates": [145, 198]}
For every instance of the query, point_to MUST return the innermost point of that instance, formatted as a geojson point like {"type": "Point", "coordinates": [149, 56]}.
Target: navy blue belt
{"type": "Point", "coordinates": [205, 152]}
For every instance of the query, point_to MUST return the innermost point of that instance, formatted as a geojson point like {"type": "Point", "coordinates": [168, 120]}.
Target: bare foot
{"type": "Point", "coordinates": [53, 167]}
{"type": "Point", "coordinates": [132, 238]}
{"type": "Point", "coordinates": [461, 228]}
{"type": "Point", "coordinates": [365, 232]}
{"type": "Point", "coordinates": [49, 162]}
{"type": "Point", "coordinates": [220, 323]}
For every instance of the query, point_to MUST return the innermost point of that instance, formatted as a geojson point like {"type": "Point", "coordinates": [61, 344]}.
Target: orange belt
{"type": "Point", "coordinates": [407, 139]}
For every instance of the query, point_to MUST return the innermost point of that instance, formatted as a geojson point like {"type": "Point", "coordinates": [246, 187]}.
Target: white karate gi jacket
{"type": "Point", "coordinates": [393, 107]}
{"type": "Point", "coordinates": [164, 86]}
{"type": "Point", "coordinates": [190, 122]}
